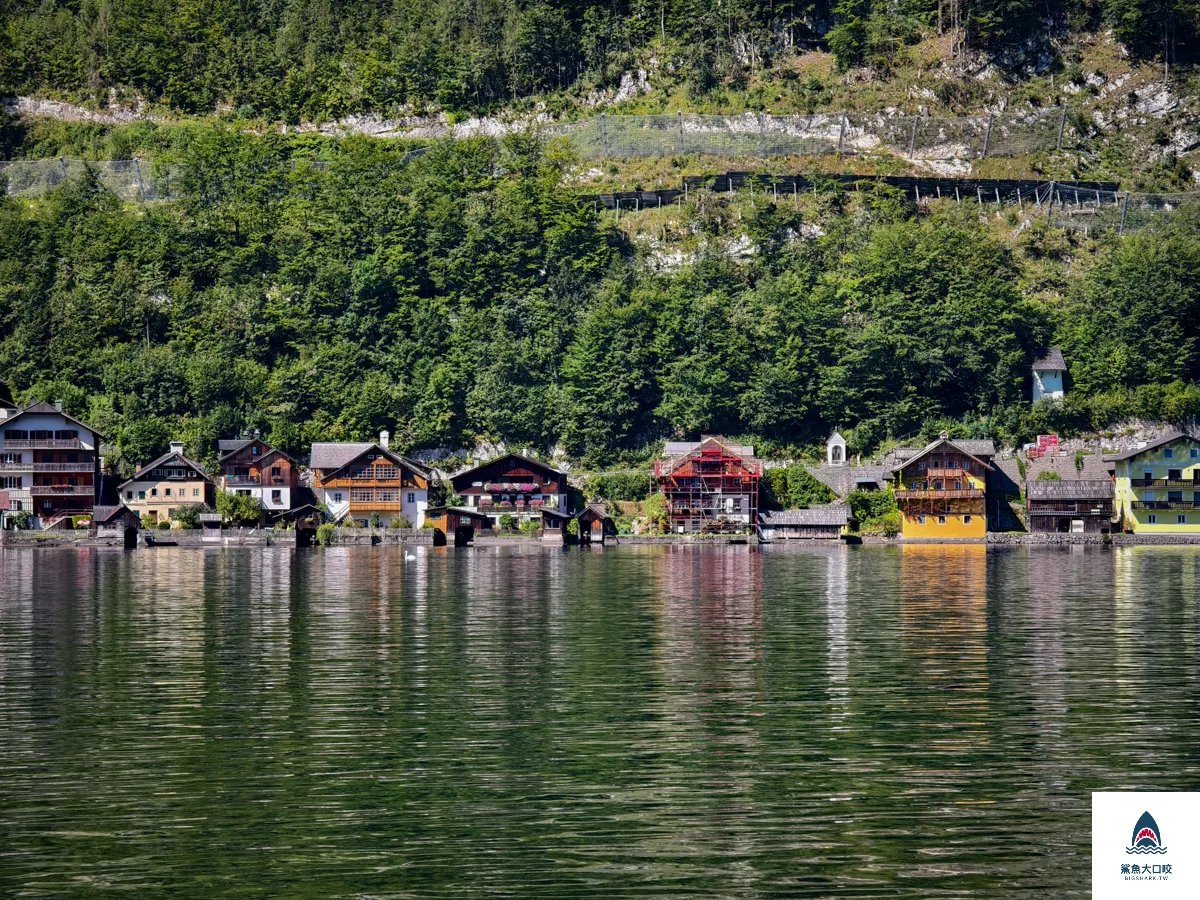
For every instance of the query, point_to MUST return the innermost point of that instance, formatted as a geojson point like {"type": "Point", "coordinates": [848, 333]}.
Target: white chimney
{"type": "Point", "coordinates": [177, 447]}
{"type": "Point", "coordinates": [58, 405]}
{"type": "Point", "coordinates": [1141, 445]}
{"type": "Point", "coordinates": [384, 437]}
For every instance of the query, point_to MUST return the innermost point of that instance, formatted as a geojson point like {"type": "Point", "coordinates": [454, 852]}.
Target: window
{"type": "Point", "coordinates": [337, 497]}
{"type": "Point", "coordinates": [195, 492]}
{"type": "Point", "coordinates": [244, 493]}
{"type": "Point", "coordinates": [1175, 496]}
{"type": "Point", "coordinates": [941, 520]}
{"type": "Point", "coordinates": [387, 495]}
{"type": "Point", "coordinates": [1181, 519]}
{"type": "Point", "coordinates": [1168, 453]}
{"type": "Point", "coordinates": [141, 495]}
{"type": "Point", "coordinates": [275, 471]}
{"type": "Point", "coordinates": [361, 495]}
{"type": "Point", "coordinates": [1152, 519]}
{"type": "Point", "coordinates": [1175, 474]}
{"type": "Point", "coordinates": [1149, 495]}
{"type": "Point", "coordinates": [1195, 454]}
{"type": "Point", "coordinates": [920, 467]}
{"type": "Point", "coordinates": [412, 498]}
{"type": "Point", "coordinates": [129, 495]}
{"type": "Point", "coordinates": [966, 520]}
{"type": "Point", "coordinates": [276, 496]}
{"type": "Point", "coordinates": [254, 450]}
{"type": "Point", "coordinates": [920, 520]}
{"type": "Point", "coordinates": [153, 492]}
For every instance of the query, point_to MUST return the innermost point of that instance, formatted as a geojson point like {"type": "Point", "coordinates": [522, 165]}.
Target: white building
{"type": "Point", "coordinates": [1048, 375]}
{"type": "Point", "coordinates": [835, 449]}
{"type": "Point", "coordinates": [357, 480]}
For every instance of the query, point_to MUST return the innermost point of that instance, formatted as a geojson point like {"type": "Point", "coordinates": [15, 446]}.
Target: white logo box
{"type": "Point", "coordinates": [1145, 856]}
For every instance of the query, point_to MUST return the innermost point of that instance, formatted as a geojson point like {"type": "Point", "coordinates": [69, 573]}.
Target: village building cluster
{"type": "Point", "coordinates": [51, 472]}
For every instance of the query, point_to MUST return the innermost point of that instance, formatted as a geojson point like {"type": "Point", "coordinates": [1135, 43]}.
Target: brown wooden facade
{"type": "Point", "coordinates": [514, 484]}
{"type": "Point", "coordinates": [375, 481]}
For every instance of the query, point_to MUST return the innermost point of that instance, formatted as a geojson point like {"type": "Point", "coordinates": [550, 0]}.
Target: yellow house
{"type": "Point", "coordinates": [1158, 486]}
{"type": "Point", "coordinates": [171, 481]}
{"type": "Point", "coordinates": [942, 490]}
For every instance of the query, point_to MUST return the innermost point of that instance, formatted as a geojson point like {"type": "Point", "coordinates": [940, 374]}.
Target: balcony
{"type": "Point", "coordinates": [933, 494]}
{"type": "Point", "coordinates": [1165, 504]}
{"type": "Point", "coordinates": [940, 472]}
{"type": "Point", "coordinates": [1164, 483]}
{"type": "Point", "coordinates": [1077, 509]}
{"type": "Point", "coordinates": [85, 467]}
{"type": "Point", "coordinates": [242, 480]}
{"type": "Point", "coordinates": [63, 444]}
{"type": "Point", "coordinates": [61, 489]}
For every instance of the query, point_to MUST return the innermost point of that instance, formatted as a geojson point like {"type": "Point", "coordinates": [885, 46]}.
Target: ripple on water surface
{"type": "Point", "coordinates": [917, 721]}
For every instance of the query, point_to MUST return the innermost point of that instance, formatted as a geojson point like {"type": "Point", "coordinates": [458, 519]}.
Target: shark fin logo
{"type": "Point", "coordinates": [1147, 838]}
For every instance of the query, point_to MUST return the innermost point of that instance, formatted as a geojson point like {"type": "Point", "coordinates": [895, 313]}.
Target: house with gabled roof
{"type": "Point", "coordinates": [513, 483]}
{"type": "Point", "coordinates": [161, 487]}
{"type": "Point", "coordinates": [1158, 485]}
{"type": "Point", "coordinates": [49, 462]}
{"type": "Point", "coordinates": [942, 489]}
{"type": "Point", "coordinates": [249, 465]}
{"type": "Point", "coordinates": [359, 479]}
{"type": "Point", "coordinates": [710, 485]}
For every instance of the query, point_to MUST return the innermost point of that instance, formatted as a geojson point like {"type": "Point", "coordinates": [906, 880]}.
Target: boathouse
{"type": "Point", "coordinates": [456, 523]}
{"type": "Point", "coordinates": [817, 523]}
{"type": "Point", "coordinates": [1079, 507]}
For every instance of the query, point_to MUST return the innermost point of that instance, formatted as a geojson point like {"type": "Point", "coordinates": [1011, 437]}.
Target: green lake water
{"type": "Point", "coordinates": [921, 721]}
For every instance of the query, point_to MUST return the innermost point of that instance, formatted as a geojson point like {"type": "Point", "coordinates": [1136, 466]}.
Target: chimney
{"type": "Point", "coordinates": [58, 405]}
{"type": "Point", "coordinates": [177, 447]}
{"type": "Point", "coordinates": [257, 434]}
{"type": "Point", "coordinates": [384, 437]}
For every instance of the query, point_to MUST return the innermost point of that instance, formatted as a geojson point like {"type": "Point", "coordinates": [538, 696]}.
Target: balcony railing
{"type": "Point", "coordinates": [1079, 509]}
{"type": "Point", "coordinates": [67, 489]}
{"type": "Point", "coordinates": [933, 494]}
{"type": "Point", "coordinates": [1165, 504]}
{"type": "Point", "coordinates": [234, 480]}
{"type": "Point", "coordinates": [62, 467]}
{"type": "Point", "coordinates": [16, 467]}
{"type": "Point", "coordinates": [942, 472]}
{"type": "Point", "coordinates": [63, 444]}
{"type": "Point", "coordinates": [1164, 483]}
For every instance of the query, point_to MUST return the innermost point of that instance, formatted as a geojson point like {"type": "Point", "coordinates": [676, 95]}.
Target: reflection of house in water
{"type": "Point", "coordinates": [943, 626]}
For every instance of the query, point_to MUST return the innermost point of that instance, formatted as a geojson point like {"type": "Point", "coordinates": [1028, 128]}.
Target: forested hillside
{"type": "Point", "coordinates": [450, 304]}
{"type": "Point", "coordinates": [313, 59]}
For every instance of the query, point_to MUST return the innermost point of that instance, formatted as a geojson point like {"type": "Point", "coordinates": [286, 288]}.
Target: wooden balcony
{"type": "Point", "coordinates": [932, 494]}
{"type": "Point", "coordinates": [61, 489]}
{"type": "Point", "coordinates": [1164, 483]}
{"type": "Point", "coordinates": [62, 466]}
{"type": "Point", "coordinates": [64, 444]}
{"type": "Point", "coordinates": [1165, 504]}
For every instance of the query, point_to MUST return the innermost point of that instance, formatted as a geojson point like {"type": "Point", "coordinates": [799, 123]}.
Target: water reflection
{"type": "Point", "coordinates": [801, 720]}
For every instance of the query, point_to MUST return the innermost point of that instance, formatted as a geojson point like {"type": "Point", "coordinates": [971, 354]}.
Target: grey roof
{"type": "Point", "coordinates": [171, 454]}
{"type": "Point", "coordinates": [1052, 361]}
{"type": "Point", "coordinates": [977, 450]}
{"type": "Point", "coordinates": [105, 513]}
{"type": "Point", "coordinates": [1092, 467]}
{"type": "Point", "coordinates": [228, 445]}
{"type": "Point", "coordinates": [521, 456]}
{"type": "Point", "coordinates": [833, 514]}
{"type": "Point", "coordinates": [1069, 490]}
{"type": "Point", "coordinates": [843, 480]}
{"type": "Point", "coordinates": [41, 407]}
{"type": "Point", "coordinates": [1153, 445]}
{"type": "Point", "coordinates": [336, 455]}
{"type": "Point", "coordinates": [679, 448]}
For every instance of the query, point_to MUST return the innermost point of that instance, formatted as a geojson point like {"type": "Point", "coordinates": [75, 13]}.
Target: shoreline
{"type": "Point", "coordinates": [363, 538]}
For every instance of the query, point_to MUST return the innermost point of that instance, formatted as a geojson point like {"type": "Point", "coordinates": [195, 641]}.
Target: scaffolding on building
{"type": "Point", "coordinates": [710, 487]}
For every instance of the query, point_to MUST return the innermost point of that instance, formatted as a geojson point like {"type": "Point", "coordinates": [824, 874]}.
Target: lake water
{"type": "Point", "coordinates": [920, 721]}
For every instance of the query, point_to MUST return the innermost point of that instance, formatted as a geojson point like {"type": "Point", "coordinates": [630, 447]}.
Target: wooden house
{"type": "Point", "coordinates": [942, 489]}
{"type": "Point", "coordinates": [710, 485]}
{"type": "Point", "coordinates": [595, 524]}
{"type": "Point", "coordinates": [515, 484]}
{"type": "Point", "coordinates": [823, 523]}
{"type": "Point", "coordinates": [249, 465]}
{"type": "Point", "coordinates": [357, 480]}
{"type": "Point", "coordinates": [49, 463]}
{"type": "Point", "coordinates": [1080, 507]}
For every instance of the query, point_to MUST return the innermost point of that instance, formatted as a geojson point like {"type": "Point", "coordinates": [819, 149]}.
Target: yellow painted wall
{"type": "Point", "coordinates": [159, 506]}
{"type": "Point", "coordinates": [1157, 463]}
{"type": "Point", "coordinates": [955, 527]}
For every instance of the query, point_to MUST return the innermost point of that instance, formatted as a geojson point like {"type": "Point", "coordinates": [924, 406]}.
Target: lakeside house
{"type": "Point", "coordinates": [1075, 506]}
{"type": "Point", "coordinates": [816, 523]}
{"type": "Point", "coordinates": [49, 463]}
{"type": "Point", "coordinates": [1049, 376]}
{"type": "Point", "coordinates": [942, 490]}
{"type": "Point", "coordinates": [165, 485]}
{"type": "Point", "coordinates": [710, 485]}
{"type": "Point", "coordinates": [513, 484]}
{"type": "Point", "coordinates": [1158, 486]}
{"type": "Point", "coordinates": [251, 466]}
{"type": "Point", "coordinates": [457, 524]}
{"type": "Point", "coordinates": [358, 480]}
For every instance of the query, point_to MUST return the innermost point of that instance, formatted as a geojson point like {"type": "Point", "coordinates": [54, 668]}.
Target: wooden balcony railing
{"type": "Point", "coordinates": [932, 494]}
{"type": "Point", "coordinates": [65, 489]}
{"type": "Point", "coordinates": [1165, 504]}
{"type": "Point", "coordinates": [1164, 483]}
{"type": "Point", "coordinates": [64, 444]}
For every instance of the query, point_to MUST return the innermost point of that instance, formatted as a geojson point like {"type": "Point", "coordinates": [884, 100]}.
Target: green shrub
{"type": "Point", "coordinates": [188, 516]}
{"type": "Point", "coordinates": [1049, 476]}
{"type": "Point", "coordinates": [531, 527]}
{"type": "Point", "coordinates": [241, 509]}
{"type": "Point", "coordinates": [617, 486]}
{"type": "Point", "coordinates": [507, 522]}
{"type": "Point", "coordinates": [374, 520]}
{"type": "Point", "coordinates": [82, 521]}
{"type": "Point", "coordinates": [164, 526]}
{"type": "Point", "coordinates": [656, 514]}
{"type": "Point", "coordinates": [866, 506]}
{"type": "Point", "coordinates": [794, 488]}
{"type": "Point", "coordinates": [325, 533]}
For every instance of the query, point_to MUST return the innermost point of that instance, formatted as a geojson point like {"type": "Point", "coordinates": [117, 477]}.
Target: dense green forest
{"type": "Point", "coordinates": [448, 303]}
{"type": "Point", "coordinates": [316, 59]}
